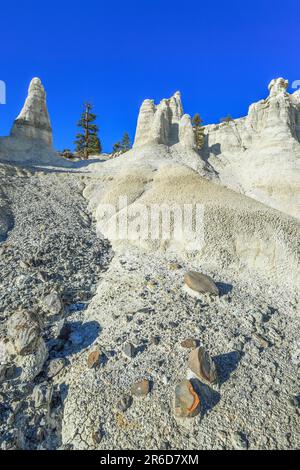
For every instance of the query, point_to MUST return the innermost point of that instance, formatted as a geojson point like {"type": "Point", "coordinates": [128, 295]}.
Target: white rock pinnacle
{"type": "Point", "coordinates": [33, 121]}
{"type": "Point", "coordinates": [162, 124]}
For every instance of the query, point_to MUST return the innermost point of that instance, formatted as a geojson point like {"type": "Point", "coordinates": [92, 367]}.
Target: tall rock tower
{"type": "Point", "coordinates": [164, 124]}
{"type": "Point", "coordinates": [33, 121]}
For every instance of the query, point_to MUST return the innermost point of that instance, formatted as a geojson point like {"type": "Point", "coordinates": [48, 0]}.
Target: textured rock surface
{"type": "Point", "coordinates": [164, 124]}
{"type": "Point", "coordinates": [202, 365]}
{"type": "Point", "coordinates": [186, 400]}
{"type": "Point", "coordinates": [33, 121]}
{"type": "Point", "coordinates": [30, 140]}
{"type": "Point", "coordinates": [24, 331]}
{"type": "Point", "coordinates": [259, 155]}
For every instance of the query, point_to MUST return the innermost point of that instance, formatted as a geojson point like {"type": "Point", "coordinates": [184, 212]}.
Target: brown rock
{"type": "Point", "coordinates": [200, 283]}
{"type": "Point", "coordinates": [189, 343]}
{"type": "Point", "coordinates": [141, 388]}
{"type": "Point", "coordinates": [186, 400]}
{"type": "Point", "coordinates": [93, 359]}
{"type": "Point", "coordinates": [202, 365]}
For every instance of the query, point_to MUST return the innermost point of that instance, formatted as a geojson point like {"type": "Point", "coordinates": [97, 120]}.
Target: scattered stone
{"type": "Point", "coordinates": [261, 340]}
{"type": "Point", "coordinates": [186, 400]}
{"type": "Point", "coordinates": [24, 331]}
{"type": "Point", "coordinates": [239, 441]}
{"type": "Point", "coordinates": [200, 283]}
{"type": "Point", "coordinates": [129, 350]}
{"type": "Point", "coordinates": [24, 264]}
{"type": "Point", "coordinates": [189, 343]}
{"type": "Point", "coordinates": [3, 370]}
{"type": "Point", "coordinates": [124, 403]}
{"type": "Point", "coordinates": [40, 434]}
{"type": "Point", "coordinates": [155, 340]}
{"type": "Point", "coordinates": [94, 359]}
{"type": "Point", "coordinates": [141, 388]}
{"type": "Point", "coordinates": [53, 304]}
{"type": "Point", "coordinates": [202, 365]}
{"type": "Point", "coordinates": [55, 367]}
{"type": "Point", "coordinates": [174, 266]}
{"type": "Point", "coordinates": [97, 437]}
{"type": "Point", "coordinates": [165, 445]}
{"type": "Point", "coordinates": [42, 394]}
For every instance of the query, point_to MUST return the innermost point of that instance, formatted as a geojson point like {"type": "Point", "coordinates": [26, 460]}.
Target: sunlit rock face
{"type": "Point", "coordinates": [164, 123]}
{"type": "Point", "coordinates": [30, 141]}
{"type": "Point", "coordinates": [33, 121]}
{"type": "Point", "coordinates": [259, 155]}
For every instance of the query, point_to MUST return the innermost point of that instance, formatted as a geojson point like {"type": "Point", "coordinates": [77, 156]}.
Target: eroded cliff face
{"type": "Point", "coordinates": [259, 155]}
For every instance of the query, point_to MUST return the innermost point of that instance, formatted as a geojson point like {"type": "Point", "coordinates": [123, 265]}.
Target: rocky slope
{"type": "Point", "coordinates": [96, 329]}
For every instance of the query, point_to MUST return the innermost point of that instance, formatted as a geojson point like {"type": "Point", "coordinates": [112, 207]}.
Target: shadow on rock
{"type": "Point", "coordinates": [224, 288]}
{"type": "Point", "coordinates": [209, 397]}
{"type": "Point", "coordinates": [80, 336]}
{"type": "Point", "coordinates": [226, 364]}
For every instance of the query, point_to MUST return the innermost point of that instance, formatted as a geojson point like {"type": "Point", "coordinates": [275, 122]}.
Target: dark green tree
{"type": "Point", "coordinates": [199, 131]}
{"type": "Point", "coordinates": [87, 142]}
{"type": "Point", "coordinates": [125, 142]}
{"type": "Point", "coordinates": [122, 146]}
{"type": "Point", "coordinates": [117, 147]}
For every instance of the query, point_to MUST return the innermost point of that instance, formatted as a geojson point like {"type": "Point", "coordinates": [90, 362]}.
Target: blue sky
{"type": "Point", "coordinates": [221, 55]}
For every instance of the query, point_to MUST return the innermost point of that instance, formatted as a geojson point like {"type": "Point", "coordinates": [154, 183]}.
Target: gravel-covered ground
{"type": "Point", "coordinates": [51, 246]}
{"type": "Point", "coordinates": [251, 330]}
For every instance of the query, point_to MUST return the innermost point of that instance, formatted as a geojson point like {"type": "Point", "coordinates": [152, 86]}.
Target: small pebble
{"type": "Point", "coordinates": [189, 343]}
{"type": "Point", "coordinates": [93, 359]}
{"type": "Point", "coordinates": [141, 388]}
{"type": "Point", "coordinates": [129, 350]}
{"type": "Point", "coordinates": [124, 403]}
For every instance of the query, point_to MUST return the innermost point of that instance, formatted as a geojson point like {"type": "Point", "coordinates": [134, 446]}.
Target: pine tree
{"type": "Point", "coordinates": [199, 131]}
{"type": "Point", "coordinates": [117, 147]}
{"type": "Point", "coordinates": [87, 142]}
{"type": "Point", "coordinates": [122, 146]}
{"type": "Point", "coordinates": [125, 143]}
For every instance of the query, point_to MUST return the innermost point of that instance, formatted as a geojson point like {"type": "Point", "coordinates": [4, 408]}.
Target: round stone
{"type": "Point", "coordinates": [124, 403]}
{"type": "Point", "coordinates": [200, 283]}
{"type": "Point", "coordinates": [189, 343]}
{"type": "Point", "coordinates": [186, 400]}
{"type": "Point", "coordinates": [141, 388]}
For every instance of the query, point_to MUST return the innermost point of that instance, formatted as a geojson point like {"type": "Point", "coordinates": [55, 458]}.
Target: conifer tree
{"type": "Point", "coordinates": [87, 142]}
{"type": "Point", "coordinates": [117, 147]}
{"type": "Point", "coordinates": [122, 146]}
{"type": "Point", "coordinates": [125, 143]}
{"type": "Point", "coordinates": [199, 131]}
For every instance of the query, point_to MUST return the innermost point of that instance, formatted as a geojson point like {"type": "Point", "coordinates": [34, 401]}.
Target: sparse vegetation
{"type": "Point", "coordinates": [197, 122]}
{"type": "Point", "coordinates": [87, 142]}
{"type": "Point", "coordinates": [123, 145]}
{"type": "Point", "coordinates": [227, 118]}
